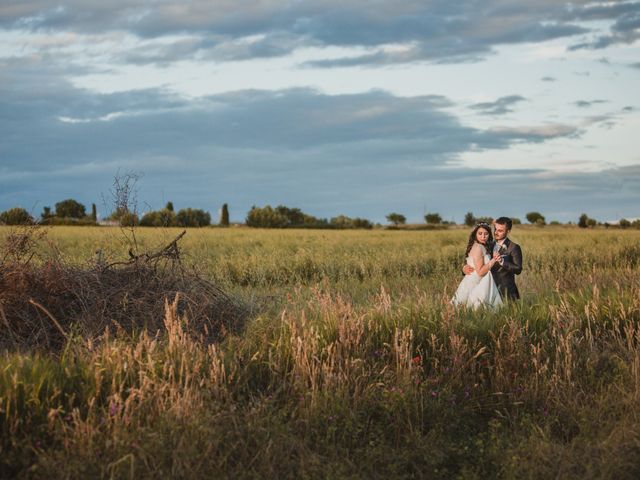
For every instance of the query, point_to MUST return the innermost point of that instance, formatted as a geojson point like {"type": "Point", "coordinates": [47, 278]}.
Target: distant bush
{"type": "Point", "coordinates": [16, 216]}
{"type": "Point", "coordinates": [469, 219]}
{"type": "Point", "coordinates": [584, 221]}
{"type": "Point", "coordinates": [85, 221]}
{"type": "Point", "coordinates": [396, 218]}
{"type": "Point", "coordinates": [535, 218]}
{"type": "Point", "coordinates": [488, 220]}
{"type": "Point", "coordinates": [433, 218]}
{"type": "Point", "coordinates": [129, 219]}
{"type": "Point", "coordinates": [159, 218]}
{"type": "Point", "coordinates": [69, 212]}
{"type": "Point", "coordinates": [46, 213]}
{"type": "Point", "coordinates": [342, 221]}
{"type": "Point", "coordinates": [296, 218]}
{"type": "Point", "coordinates": [191, 217]}
{"type": "Point", "coordinates": [282, 217]}
{"type": "Point", "coordinates": [265, 217]}
{"type": "Point", "coordinates": [70, 208]}
{"type": "Point", "coordinates": [124, 217]}
{"type": "Point", "coordinates": [418, 226]}
{"type": "Point", "coordinates": [624, 223]}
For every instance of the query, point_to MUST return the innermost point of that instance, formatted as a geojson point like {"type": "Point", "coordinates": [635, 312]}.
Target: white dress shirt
{"type": "Point", "coordinates": [496, 249]}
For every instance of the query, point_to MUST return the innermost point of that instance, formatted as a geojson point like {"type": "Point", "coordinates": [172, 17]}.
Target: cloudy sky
{"type": "Point", "coordinates": [353, 107]}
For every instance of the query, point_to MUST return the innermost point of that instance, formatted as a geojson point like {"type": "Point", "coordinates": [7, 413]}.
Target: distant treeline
{"type": "Point", "coordinates": [72, 212]}
{"type": "Point", "coordinates": [285, 217]}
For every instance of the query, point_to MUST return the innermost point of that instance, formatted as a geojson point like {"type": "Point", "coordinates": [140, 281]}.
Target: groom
{"type": "Point", "coordinates": [509, 262]}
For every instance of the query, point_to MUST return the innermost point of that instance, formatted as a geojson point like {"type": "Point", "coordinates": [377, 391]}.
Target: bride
{"type": "Point", "coordinates": [479, 288]}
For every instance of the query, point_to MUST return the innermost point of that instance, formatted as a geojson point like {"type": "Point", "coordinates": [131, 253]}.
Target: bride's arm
{"type": "Point", "coordinates": [478, 261]}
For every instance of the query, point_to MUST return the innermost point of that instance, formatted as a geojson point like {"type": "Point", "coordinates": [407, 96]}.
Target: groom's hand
{"type": "Point", "coordinates": [468, 269]}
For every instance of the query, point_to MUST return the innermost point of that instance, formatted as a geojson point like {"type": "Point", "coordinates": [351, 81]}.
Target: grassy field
{"type": "Point", "coordinates": [352, 364]}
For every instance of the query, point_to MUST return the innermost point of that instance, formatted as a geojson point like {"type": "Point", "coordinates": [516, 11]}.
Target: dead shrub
{"type": "Point", "coordinates": [45, 300]}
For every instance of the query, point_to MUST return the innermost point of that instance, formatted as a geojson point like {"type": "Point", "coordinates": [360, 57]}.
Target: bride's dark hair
{"type": "Point", "coordinates": [472, 237]}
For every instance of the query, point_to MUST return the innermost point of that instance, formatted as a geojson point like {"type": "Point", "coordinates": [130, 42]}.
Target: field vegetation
{"type": "Point", "coordinates": [344, 360]}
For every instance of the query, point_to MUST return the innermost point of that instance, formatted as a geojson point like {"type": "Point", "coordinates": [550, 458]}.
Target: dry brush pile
{"type": "Point", "coordinates": [45, 300]}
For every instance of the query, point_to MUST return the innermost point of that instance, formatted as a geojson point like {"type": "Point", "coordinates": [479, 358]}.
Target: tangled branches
{"type": "Point", "coordinates": [45, 300]}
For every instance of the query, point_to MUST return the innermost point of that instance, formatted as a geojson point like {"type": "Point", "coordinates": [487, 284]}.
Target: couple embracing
{"type": "Point", "coordinates": [491, 266]}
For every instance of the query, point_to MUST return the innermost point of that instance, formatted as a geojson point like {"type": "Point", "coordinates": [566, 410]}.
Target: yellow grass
{"type": "Point", "coordinates": [354, 365]}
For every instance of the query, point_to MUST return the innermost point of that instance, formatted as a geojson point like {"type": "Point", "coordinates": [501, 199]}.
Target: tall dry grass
{"type": "Point", "coordinates": [389, 381]}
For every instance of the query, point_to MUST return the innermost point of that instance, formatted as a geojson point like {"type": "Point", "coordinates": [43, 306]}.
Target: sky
{"type": "Point", "coordinates": [355, 107]}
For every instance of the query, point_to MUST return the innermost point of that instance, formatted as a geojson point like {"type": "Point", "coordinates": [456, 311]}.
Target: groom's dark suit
{"type": "Point", "coordinates": [504, 275]}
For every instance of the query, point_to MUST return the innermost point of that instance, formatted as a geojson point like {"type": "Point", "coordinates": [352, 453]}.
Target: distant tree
{"type": "Point", "coordinates": [117, 214]}
{"type": "Point", "coordinates": [266, 217]}
{"type": "Point", "coordinates": [224, 215]}
{"type": "Point", "coordinates": [592, 222]}
{"type": "Point", "coordinates": [583, 221]}
{"type": "Point", "coordinates": [128, 219]}
{"type": "Point", "coordinates": [433, 218]}
{"type": "Point", "coordinates": [624, 223]}
{"type": "Point", "coordinates": [361, 223]}
{"type": "Point", "coordinates": [396, 218]}
{"type": "Point", "coordinates": [516, 221]}
{"type": "Point", "coordinates": [294, 216]}
{"type": "Point", "coordinates": [16, 216]}
{"type": "Point", "coordinates": [94, 212]}
{"type": "Point", "coordinates": [159, 218]}
{"type": "Point", "coordinates": [282, 217]}
{"type": "Point", "coordinates": [535, 218]}
{"type": "Point", "coordinates": [150, 219]}
{"type": "Point", "coordinates": [167, 218]}
{"type": "Point", "coordinates": [192, 217]}
{"type": "Point", "coordinates": [469, 219]}
{"type": "Point", "coordinates": [342, 221]}
{"type": "Point", "coordinates": [297, 218]}
{"type": "Point", "coordinates": [487, 220]}
{"type": "Point", "coordinates": [46, 214]}
{"type": "Point", "coordinates": [70, 209]}
{"type": "Point", "coordinates": [554, 222]}
{"type": "Point", "coordinates": [169, 206]}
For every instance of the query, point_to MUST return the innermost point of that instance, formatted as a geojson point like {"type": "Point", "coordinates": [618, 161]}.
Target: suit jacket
{"type": "Point", "coordinates": [504, 275]}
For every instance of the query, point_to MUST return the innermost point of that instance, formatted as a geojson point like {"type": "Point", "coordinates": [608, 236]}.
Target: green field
{"type": "Point", "coordinates": [350, 364]}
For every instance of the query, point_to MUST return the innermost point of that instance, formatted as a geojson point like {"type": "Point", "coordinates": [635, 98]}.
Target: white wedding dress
{"type": "Point", "coordinates": [475, 291]}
